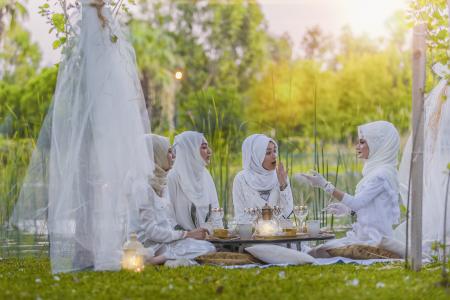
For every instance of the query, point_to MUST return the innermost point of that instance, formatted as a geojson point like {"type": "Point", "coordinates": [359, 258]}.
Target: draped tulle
{"type": "Point", "coordinates": [436, 157]}
{"type": "Point", "coordinates": [88, 150]}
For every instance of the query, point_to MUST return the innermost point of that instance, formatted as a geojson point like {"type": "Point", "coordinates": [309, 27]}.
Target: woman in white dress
{"type": "Point", "coordinates": [153, 220]}
{"type": "Point", "coordinates": [191, 187]}
{"type": "Point", "coordinates": [262, 179]}
{"type": "Point", "coordinates": [376, 201]}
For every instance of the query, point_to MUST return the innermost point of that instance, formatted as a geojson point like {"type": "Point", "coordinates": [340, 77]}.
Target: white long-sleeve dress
{"type": "Point", "coordinates": [376, 211]}
{"type": "Point", "coordinates": [154, 223]}
{"type": "Point", "coordinates": [244, 196]}
{"type": "Point", "coordinates": [182, 206]}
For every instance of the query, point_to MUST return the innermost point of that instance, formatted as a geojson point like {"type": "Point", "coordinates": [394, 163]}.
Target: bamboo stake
{"type": "Point", "coordinates": [418, 87]}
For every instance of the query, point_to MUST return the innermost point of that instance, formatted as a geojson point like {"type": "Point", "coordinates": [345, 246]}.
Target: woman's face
{"type": "Point", "coordinates": [270, 160]}
{"type": "Point", "coordinates": [362, 149]}
{"type": "Point", "coordinates": [170, 157]}
{"type": "Point", "coordinates": [205, 152]}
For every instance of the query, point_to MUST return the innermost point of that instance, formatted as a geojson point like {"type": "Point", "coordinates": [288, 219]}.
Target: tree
{"type": "Point", "coordinates": [9, 11]}
{"type": "Point", "coordinates": [434, 13]}
{"type": "Point", "coordinates": [315, 44]}
{"type": "Point", "coordinates": [157, 62]}
{"type": "Point", "coordinates": [19, 56]}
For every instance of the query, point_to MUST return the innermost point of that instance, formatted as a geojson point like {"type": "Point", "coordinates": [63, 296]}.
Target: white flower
{"type": "Point", "coordinates": [38, 280]}
{"type": "Point", "coordinates": [380, 285]}
{"type": "Point", "coordinates": [282, 274]}
{"type": "Point", "coordinates": [56, 278]}
{"type": "Point", "coordinates": [354, 282]}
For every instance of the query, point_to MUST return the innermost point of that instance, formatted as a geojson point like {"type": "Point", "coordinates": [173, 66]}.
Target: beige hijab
{"type": "Point", "coordinates": [160, 148]}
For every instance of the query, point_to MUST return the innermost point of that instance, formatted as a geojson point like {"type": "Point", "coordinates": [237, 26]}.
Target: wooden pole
{"type": "Point", "coordinates": [418, 87]}
{"type": "Point", "coordinates": [448, 11]}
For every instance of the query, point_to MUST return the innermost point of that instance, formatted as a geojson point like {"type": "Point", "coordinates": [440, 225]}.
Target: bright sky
{"type": "Point", "coordinates": [292, 16]}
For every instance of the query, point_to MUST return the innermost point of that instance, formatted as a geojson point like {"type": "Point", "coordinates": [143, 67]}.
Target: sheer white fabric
{"type": "Point", "coordinates": [89, 151]}
{"type": "Point", "coordinates": [244, 196]}
{"type": "Point", "coordinates": [436, 156]}
{"type": "Point", "coordinates": [190, 183]}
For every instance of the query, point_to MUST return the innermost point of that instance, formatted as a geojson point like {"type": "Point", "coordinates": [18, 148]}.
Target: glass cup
{"type": "Point", "coordinates": [300, 212]}
{"type": "Point", "coordinates": [245, 231]}
{"type": "Point", "coordinates": [313, 227]}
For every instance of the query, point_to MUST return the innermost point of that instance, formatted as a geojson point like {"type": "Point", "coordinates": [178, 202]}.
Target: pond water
{"type": "Point", "coordinates": [18, 244]}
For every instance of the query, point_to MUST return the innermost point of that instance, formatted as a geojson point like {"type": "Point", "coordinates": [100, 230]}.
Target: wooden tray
{"type": "Point", "coordinates": [229, 238]}
{"type": "Point", "coordinates": [277, 237]}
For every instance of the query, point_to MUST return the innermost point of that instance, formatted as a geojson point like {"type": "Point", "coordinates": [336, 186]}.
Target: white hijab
{"type": "Point", "coordinates": [160, 146]}
{"type": "Point", "coordinates": [254, 150]}
{"type": "Point", "coordinates": [190, 168]}
{"type": "Point", "coordinates": [384, 144]}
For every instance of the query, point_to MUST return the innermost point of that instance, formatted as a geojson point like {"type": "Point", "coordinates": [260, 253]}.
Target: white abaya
{"type": "Point", "coordinates": [376, 199]}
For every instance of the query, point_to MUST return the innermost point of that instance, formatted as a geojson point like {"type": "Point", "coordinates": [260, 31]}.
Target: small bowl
{"type": "Point", "coordinates": [290, 231]}
{"type": "Point", "coordinates": [220, 233]}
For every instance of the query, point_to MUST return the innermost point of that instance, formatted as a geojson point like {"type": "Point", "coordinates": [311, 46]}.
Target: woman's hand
{"type": "Point", "coordinates": [282, 176]}
{"type": "Point", "coordinates": [315, 180]}
{"type": "Point", "coordinates": [338, 209]}
{"type": "Point", "coordinates": [198, 234]}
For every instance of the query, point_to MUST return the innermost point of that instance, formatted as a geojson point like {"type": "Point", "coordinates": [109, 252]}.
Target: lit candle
{"type": "Point", "coordinates": [133, 258]}
{"type": "Point", "coordinates": [267, 228]}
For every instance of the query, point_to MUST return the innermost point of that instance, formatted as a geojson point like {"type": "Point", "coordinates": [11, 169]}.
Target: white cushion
{"type": "Point", "coordinates": [273, 254]}
{"type": "Point", "coordinates": [393, 245]}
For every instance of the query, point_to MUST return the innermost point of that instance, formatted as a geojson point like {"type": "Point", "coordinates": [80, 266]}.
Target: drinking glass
{"type": "Point", "coordinates": [300, 212]}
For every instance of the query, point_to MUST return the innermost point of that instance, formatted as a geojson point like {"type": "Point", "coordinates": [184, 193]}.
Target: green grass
{"type": "Point", "coordinates": [31, 279]}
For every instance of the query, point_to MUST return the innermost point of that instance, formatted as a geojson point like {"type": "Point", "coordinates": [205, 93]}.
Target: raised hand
{"type": "Point", "coordinates": [282, 175]}
{"type": "Point", "coordinates": [315, 179]}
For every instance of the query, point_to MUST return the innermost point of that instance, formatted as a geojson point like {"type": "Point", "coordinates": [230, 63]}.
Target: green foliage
{"type": "Point", "coordinates": [155, 51]}
{"type": "Point", "coordinates": [19, 56]}
{"type": "Point", "coordinates": [10, 12]}
{"type": "Point", "coordinates": [31, 279]}
{"type": "Point", "coordinates": [14, 158]}
{"type": "Point", "coordinates": [59, 21]}
{"type": "Point", "coordinates": [434, 13]}
{"type": "Point", "coordinates": [218, 46]}
{"type": "Point", "coordinates": [361, 83]}
{"type": "Point", "coordinates": [26, 103]}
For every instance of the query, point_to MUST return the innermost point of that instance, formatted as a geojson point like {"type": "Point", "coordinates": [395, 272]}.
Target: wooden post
{"type": "Point", "coordinates": [418, 87]}
{"type": "Point", "coordinates": [448, 11]}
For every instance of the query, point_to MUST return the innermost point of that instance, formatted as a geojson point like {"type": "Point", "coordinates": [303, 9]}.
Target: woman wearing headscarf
{"type": "Point", "coordinates": [262, 179]}
{"type": "Point", "coordinates": [377, 194]}
{"type": "Point", "coordinates": [191, 187]}
{"type": "Point", "coordinates": [153, 218]}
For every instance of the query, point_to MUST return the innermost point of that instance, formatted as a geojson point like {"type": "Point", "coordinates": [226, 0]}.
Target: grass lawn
{"type": "Point", "coordinates": [31, 279]}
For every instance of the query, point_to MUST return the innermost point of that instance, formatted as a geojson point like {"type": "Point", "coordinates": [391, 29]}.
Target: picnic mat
{"type": "Point", "coordinates": [321, 262]}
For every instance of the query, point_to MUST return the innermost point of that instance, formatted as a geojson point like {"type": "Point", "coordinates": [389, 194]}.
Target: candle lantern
{"type": "Point", "coordinates": [133, 258]}
{"type": "Point", "coordinates": [267, 226]}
